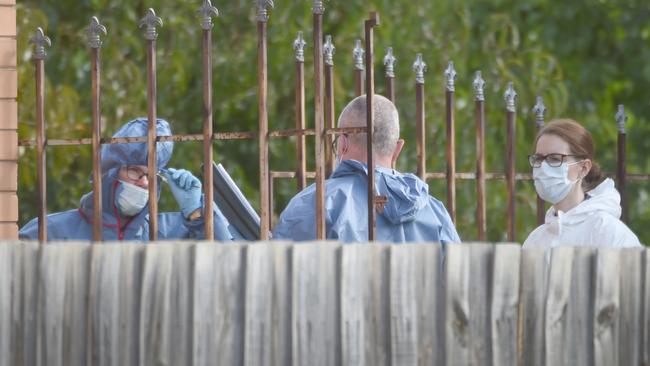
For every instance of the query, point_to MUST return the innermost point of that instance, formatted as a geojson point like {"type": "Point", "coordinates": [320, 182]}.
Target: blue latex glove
{"type": "Point", "coordinates": [186, 189]}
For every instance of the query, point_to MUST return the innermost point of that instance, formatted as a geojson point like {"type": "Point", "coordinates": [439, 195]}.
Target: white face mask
{"type": "Point", "coordinates": [130, 198]}
{"type": "Point", "coordinates": [553, 183]}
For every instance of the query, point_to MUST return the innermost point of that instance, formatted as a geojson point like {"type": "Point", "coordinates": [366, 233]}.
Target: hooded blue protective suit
{"type": "Point", "coordinates": [410, 215]}
{"type": "Point", "coordinates": [77, 224]}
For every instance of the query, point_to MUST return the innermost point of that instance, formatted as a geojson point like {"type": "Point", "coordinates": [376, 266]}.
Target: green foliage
{"type": "Point", "coordinates": [584, 57]}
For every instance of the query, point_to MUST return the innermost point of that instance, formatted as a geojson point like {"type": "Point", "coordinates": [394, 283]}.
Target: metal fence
{"type": "Point", "coordinates": [322, 304]}
{"type": "Point", "coordinates": [323, 125]}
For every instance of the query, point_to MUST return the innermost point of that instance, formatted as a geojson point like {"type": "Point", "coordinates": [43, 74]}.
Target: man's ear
{"type": "Point", "coordinates": [396, 152]}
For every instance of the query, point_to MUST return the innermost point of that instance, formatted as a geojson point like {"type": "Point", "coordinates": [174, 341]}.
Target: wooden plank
{"type": "Point", "coordinates": [415, 283]}
{"type": "Point", "coordinates": [606, 306]}
{"type": "Point", "coordinates": [557, 301]}
{"type": "Point", "coordinates": [218, 319]}
{"type": "Point", "coordinates": [25, 314]}
{"type": "Point", "coordinates": [155, 317]}
{"type": "Point", "coordinates": [531, 306]}
{"type": "Point", "coordinates": [481, 262]}
{"type": "Point", "coordinates": [63, 284]}
{"type": "Point", "coordinates": [6, 295]}
{"type": "Point", "coordinates": [630, 301]}
{"type": "Point", "coordinates": [456, 282]}
{"type": "Point", "coordinates": [580, 313]}
{"type": "Point", "coordinates": [365, 331]}
{"type": "Point", "coordinates": [505, 304]}
{"type": "Point", "coordinates": [315, 304]}
{"type": "Point", "coordinates": [131, 277]}
{"type": "Point", "coordinates": [180, 305]}
{"type": "Point", "coordinates": [268, 305]}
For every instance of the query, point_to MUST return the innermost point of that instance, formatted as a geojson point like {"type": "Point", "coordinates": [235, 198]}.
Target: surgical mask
{"type": "Point", "coordinates": [552, 183]}
{"type": "Point", "coordinates": [130, 198]}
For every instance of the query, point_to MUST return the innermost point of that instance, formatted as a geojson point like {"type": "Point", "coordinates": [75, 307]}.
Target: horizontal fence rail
{"type": "Point", "coordinates": [322, 304]}
{"type": "Point", "coordinates": [322, 125]}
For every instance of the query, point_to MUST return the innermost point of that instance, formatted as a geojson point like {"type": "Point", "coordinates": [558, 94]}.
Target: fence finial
{"type": "Point", "coordinates": [328, 50]}
{"type": "Point", "coordinates": [389, 62]}
{"type": "Point", "coordinates": [262, 11]}
{"type": "Point", "coordinates": [419, 67]}
{"type": "Point", "coordinates": [150, 21]}
{"type": "Point", "coordinates": [509, 97]}
{"type": "Point", "coordinates": [207, 11]}
{"type": "Point", "coordinates": [621, 118]}
{"type": "Point", "coordinates": [358, 53]}
{"type": "Point", "coordinates": [299, 47]}
{"type": "Point", "coordinates": [479, 86]}
{"type": "Point", "coordinates": [318, 7]}
{"type": "Point", "coordinates": [40, 41]}
{"type": "Point", "coordinates": [450, 75]}
{"type": "Point", "coordinates": [93, 33]}
{"type": "Point", "coordinates": [540, 110]}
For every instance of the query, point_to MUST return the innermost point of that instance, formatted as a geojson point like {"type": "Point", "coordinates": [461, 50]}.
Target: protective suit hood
{"type": "Point", "coordinates": [406, 193]}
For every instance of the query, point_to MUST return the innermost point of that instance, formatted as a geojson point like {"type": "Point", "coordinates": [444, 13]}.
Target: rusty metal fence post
{"type": "Point", "coordinates": [420, 132]}
{"type": "Point", "coordinates": [509, 97]}
{"type": "Point", "coordinates": [358, 54]}
{"type": "Point", "coordinates": [207, 11]}
{"type": "Point", "coordinates": [93, 32]}
{"type": "Point", "coordinates": [479, 105]}
{"type": "Point", "coordinates": [328, 59]}
{"type": "Point", "coordinates": [40, 41]}
{"type": "Point", "coordinates": [450, 76]}
{"type": "Point", "coordinates": [301, 163]}
{"type": "Point", "coordinates": [539, 110]}
{"type": "Point", "coordinates": [318, 10]}
{"type": "Point", "coordinates": [389, 63]}
{"type": "Point", "coordinates": [372, 22]}
{"type": "Point", "coordinates": [263, 118]}
{"type": "Point", "coordinates": [621, 165]}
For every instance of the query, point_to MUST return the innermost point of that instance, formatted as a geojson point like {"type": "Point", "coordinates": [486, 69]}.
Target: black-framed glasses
{"type": "Point", "coordinates": [553, 160]}
{"type": "Point", "coordinates": [134, 173]}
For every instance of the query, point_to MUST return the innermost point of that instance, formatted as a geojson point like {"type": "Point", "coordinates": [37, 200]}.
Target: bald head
{"type": "Point", "coordinates": [386, 124]}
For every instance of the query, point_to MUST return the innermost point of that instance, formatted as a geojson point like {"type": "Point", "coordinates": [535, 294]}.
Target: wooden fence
{"type": "Point", "coordinates": [322, 304]}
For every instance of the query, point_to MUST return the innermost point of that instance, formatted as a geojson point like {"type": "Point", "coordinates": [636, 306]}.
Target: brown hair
{"type": "Point", "coordinates": [580, 143]}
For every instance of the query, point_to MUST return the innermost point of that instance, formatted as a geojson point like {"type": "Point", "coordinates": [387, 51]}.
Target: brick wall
{"type": "Point", "coordinates": [8, 122]}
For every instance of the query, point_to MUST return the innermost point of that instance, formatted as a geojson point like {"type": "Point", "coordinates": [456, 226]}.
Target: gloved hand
{"type": "Point", "coordinates": [186, 189]}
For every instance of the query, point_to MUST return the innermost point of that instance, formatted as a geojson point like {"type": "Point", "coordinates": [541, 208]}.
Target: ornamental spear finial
{"type": "Point", "coordinates": [262, 11]}
{"type": "Point", "coordinates": [150, 21]}
{"type": "Point", "coordinates": [93, 33]}
{"type": "Point", "coordinates": [40, 41]}
{"type": "Point", "coordinates": [419, 67]}
{"type": "Point", "coordinates": [328, 51]}
{"type": "Point", "coordinates": [621, 118]}
{"type": "Point", "coordinates": [539, 110]}
{"type": "Point", "coordinates": [509, 97]}
{"type": "Point", "coordinates": [479, 86]}
{"type": "Point", "coordinates": [450, 75]}
{"type": "Point", "coordinates": [389, 62]}
{"type": "Point", "coordinates": [207, 11]}
{"type": "Point", "coordinates": [358, 53]}
{"type": "Point", "coordinates": [299, 47]}
{"type": "Point", "coordinates": [318, 7]}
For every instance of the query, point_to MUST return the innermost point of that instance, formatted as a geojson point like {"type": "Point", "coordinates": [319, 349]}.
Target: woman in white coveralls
{"type": "Point", "coordinates": [586, 205]}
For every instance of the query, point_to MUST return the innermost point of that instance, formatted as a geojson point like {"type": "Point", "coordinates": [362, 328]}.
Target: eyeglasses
{"type": "Point", "coordinates": [553, 160]}
{"type": "Point", "coordinates": [135, 173]}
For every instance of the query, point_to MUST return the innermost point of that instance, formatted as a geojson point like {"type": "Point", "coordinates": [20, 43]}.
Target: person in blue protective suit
{"type": "Point", "coordinates": [409, 215]}
{"type": "Point", "coordinates": [125, 197]}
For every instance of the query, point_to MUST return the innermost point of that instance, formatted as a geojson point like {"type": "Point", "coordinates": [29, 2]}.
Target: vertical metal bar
{"type": "Point", "coordinates": [150, 21]}
{"type": "Point", "coordinates": [319, 127]}
{"type": "Point", "coordinates": [328, 55]}
{"type": "Point", "coordinates": [539, 110]}
{"type": "Point", "coordinates": [510, 96]}
{"type": "Point", "coordinates": [207, 11]}
{"type": "Point", "coordinates": [262, 18]}
{"type": "Point", "coordinates": [450, 75]}
{"type": "Point", "coordinates": [358, 54]}
{"type": "Point", "coordinates": [389, 62]}
{"type": "Point", "coordinates": [479, 85]}
{"type": "Point", "coordinates": [40, 41]}
{"type": "Point", "coordinates": [93, 32]}
{"type": "Point", "coordinates": [370, 93]}
{"type": "Point", "coordinates": [621, 161]}
{"type": "Point", "coordinates": [420, 67]}
{"type": "Point", "coordinates": [301, 168]}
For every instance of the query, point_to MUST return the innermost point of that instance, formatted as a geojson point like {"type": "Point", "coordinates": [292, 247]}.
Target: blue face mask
{"type": "Point", "coordinates": [131, 199]}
